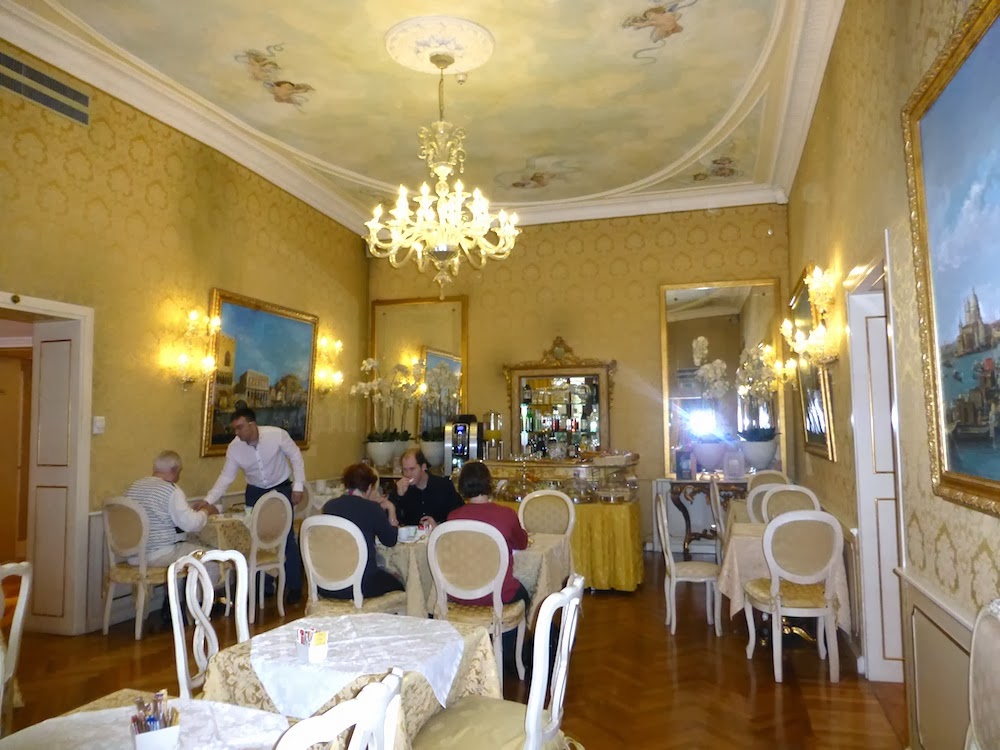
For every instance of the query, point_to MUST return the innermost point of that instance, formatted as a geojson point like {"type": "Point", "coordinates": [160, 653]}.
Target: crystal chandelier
{"type": "Point", "coordinates": [819, 345]}
{"type": "Point", "coordinates": [449, 224]}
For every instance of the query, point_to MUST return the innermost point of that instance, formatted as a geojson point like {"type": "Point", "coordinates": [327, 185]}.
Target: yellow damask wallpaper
{"type": "Point", "coordinates": [838, 210]}
{"type": "Point", "coordinates": [596, 284]}
{"type": "Point", "coordinates": [138, 221]}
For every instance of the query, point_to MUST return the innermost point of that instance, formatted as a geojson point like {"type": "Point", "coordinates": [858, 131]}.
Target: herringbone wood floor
{"type": "Point", "coordinates": [631, 683]}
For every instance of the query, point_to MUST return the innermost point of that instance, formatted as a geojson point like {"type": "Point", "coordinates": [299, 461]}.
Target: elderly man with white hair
{"type": "Point", "coordinates": [170, 515]}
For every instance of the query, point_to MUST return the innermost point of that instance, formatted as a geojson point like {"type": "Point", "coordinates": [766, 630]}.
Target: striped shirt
{"type": "Point", "coordinates": [167, 509]}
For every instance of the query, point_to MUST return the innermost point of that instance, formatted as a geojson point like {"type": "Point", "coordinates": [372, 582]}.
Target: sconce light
{"type": "Point", "coordinates": [327, 378]}
{"type": "Point", "coordinates": [819, 345]}
{"type": "Point", "coordinates": [195, 361]}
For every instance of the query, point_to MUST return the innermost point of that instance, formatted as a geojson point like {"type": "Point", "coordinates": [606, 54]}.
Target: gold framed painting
{"type": "Point", "coordinates": [953, 175]}
{"type": "Point", "coordinates": [815, 397]}
{"type": "Point", "coordinates": [265, 355]}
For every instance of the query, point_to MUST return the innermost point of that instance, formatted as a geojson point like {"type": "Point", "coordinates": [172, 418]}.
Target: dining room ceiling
{"type": "Point", "coordinates": [585, 109]}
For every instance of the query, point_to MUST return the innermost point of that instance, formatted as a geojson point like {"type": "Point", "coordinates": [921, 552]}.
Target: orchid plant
{"type": "Point", "coordinates": [391, 397]}
{"type": "Point", "coordinates": [756, 382]}
{"type": "Point", "coordinates": [711, 375]}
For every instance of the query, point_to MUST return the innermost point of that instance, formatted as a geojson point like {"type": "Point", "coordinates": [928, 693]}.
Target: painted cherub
{"type": "Point", "coordinates": [662, 20]}
{"type": "Point", "coordinates": [261, 66]}
{"type": "Point", "coordinates": [286, 92]}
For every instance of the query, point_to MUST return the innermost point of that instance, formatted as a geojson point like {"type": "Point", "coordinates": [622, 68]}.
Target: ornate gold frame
{"type": "Point", "coordinates": [463, 302]}
{"type": "Point", "coordinates": [975, 492]}
{"type": "Point", "coordinates": [775, 284]}
{"type": "Point", "coordinates": [215, 309]}
{"type": "Point", "coordinates": [560, 361]}
{"type": "Point", "coordinates": [829, 448]}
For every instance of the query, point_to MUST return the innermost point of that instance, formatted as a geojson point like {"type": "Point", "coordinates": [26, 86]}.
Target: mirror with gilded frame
{"type": "Point", "coordinates": [732, 316]}
{"type": "Point", "coordinates": [405, 331]}
{"type": "Point", "coordinates": [561, 400]}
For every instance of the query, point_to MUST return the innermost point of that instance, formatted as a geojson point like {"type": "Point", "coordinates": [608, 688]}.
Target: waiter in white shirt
{"type": "Point", "coordinates": [264, 454]}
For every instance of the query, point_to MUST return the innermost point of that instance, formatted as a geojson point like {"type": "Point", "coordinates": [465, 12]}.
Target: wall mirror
{"type": "Point", "coordinates": [560, 405]}
{"type": "Point", "coordinates": [424, 329]}
{"type": "Point", "coordinates": [703, 407]}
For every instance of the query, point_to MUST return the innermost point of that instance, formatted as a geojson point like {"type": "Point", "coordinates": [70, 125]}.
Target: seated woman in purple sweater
{"type": "Point", "coordinates": [366, 506]}
{"type": "Point", "coordinates": [476, 485]}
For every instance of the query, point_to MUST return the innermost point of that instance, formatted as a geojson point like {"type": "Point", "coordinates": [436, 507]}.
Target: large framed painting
{"type": "Point", "coordinates": [953, 169]}
{"type": "Point", "coordinates": [814, 380]}
{"type": "Point", "coordinates": [265, 355]}
{"type": "Point", "coordinates": [443, 376]}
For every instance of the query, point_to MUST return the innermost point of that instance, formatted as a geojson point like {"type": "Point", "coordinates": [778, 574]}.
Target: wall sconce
{"type": "Point", "coordinates": [195, 361]}
{"type": "Point", "coordinates": [818, 345]}
{"type": "Point", "coordinates": [327, 378]}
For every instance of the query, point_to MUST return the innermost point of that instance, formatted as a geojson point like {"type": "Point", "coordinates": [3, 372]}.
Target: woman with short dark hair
{"type": "Point", "coordinates": [370, 510]}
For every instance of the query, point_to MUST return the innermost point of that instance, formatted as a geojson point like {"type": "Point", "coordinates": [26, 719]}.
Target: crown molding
{"type": "Point", "coordinates": [632, 205]}
{"type": "Point", "coordinates": [55, 46]}
{"type": "Point", "coordinates": [818, 21]}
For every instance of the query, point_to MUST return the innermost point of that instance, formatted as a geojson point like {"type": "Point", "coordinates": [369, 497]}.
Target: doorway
{"type": "Point", "coordinates": [57, 457]}
{"type": "Point", "coordinates": [873, 410]}
{"type": "Point", "coordinates": [15, 424]}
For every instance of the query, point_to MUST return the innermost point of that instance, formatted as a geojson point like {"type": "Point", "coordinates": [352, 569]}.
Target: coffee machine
{"type": "Point", "coordinates": [463, 441]}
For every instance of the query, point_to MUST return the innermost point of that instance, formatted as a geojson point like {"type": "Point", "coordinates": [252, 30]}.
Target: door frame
{"type": "Point", "coordinates": [81, 406]}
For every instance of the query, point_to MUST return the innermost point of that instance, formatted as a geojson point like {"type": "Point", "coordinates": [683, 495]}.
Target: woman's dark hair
{"type": "Point", "coordinates": [359, 477]}
{"type": "Point", "coordinates": [475, 480]}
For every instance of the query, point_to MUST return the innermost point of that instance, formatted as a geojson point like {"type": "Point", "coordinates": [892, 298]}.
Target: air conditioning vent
{"type": "Point", "coordinates": [32, 84]}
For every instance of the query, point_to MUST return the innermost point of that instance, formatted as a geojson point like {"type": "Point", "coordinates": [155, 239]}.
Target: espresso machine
{"type": "Point", "coordinates": [463, 441]}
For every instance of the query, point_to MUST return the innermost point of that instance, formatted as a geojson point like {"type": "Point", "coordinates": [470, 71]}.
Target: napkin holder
{"type": "Point", "coordinates": [311, 654]}
{"type": "Point", "coordinates": [167, 738]}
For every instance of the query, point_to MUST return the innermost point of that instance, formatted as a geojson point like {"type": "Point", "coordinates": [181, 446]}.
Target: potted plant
{"type": "Point", "coordinates": [756, 384]}
{"type": "Point", "coordinates": [710, 446]}
{"type": "Point", "coordinates": [380, 441]}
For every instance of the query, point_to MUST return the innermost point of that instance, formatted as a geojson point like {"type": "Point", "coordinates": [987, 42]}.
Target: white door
{"type": "Point", "coordinates": [54, 515]}
{"type": "Point", "coordinates": [878, 506]}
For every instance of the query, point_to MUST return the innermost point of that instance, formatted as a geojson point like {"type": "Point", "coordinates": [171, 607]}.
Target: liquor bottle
{"type": "Point", "coordinates": [529, 421]}
{"type": "Point", "coordinates": [526, 394]}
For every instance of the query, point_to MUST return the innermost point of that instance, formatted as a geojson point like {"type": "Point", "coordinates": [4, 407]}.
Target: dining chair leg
{"type": "Point", "coordinates": [519, 656]}
{"type": "Point", "coordinates": [666, 597]}
{"type": "Point", "coordinates": [140, 610]}
{"type": "Point", "coordinates": [673, 606]}
{"type": "Point", "coordinates": [229, 598]}
{"type": "Point", "coordinates": [821, 636]}
{"type": "Point", "coordinates": [776, 644]}
{"type": "Point", "coordinates": [832, 647]}
{"type": "Point", "coordinates": [751, 628]}
{"type": "Point", "coordinates": [109, 597]}
{"type": "Point", "coordinates": [718, 608]}
{"type": "Point", "coordinates": [281, 591]}
{"type": "Point", "coordinates": [709, 608]}
{"type": "Point", "coordinates": [252, 599]}
{"type": "Point", "coordinates": [498, 654]}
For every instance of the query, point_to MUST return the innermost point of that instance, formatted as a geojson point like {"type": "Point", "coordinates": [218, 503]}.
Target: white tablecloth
{"type": "Point", "coordinates": [205, 725]}
{"type": "Point", "coordinates": [358, 645]}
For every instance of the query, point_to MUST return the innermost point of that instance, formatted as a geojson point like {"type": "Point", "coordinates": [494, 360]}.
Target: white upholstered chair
{"type": "Point", "coordinates": [335, 554]}
{"type": "Point", "coordinates": [126, 530]}
{"type": "Point", "coordinates": [690, 572]}
{"type": "Point", "coordinates": [549, 512]}
{"type": "Point", "coordinates": [801, 548]}
{"type": "Point", "coordinates": [199, 596]}
{"type": "Point", "coordinates": [373, 713]}
{"type": "Point", "coordinates": [984, 680]}
{"type": "Point", "coordinates": [469, 560]}
{"type": "Point", "coordinates": [270, 523]}
{"type": "Point", "coordinates": [782, 498]}
{"type": "Point", "coordinates": [768, 476]}
{"type": "Point", "coordinates": [12, 649]}
{"type": "Point", "coordinates": [479, 722]}
{"type": "Point", "coordinates": [755, 502]}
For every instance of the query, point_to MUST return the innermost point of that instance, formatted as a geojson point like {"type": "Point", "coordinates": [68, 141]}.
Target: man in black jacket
{"type": "Point", "coordinates": [421, 497]}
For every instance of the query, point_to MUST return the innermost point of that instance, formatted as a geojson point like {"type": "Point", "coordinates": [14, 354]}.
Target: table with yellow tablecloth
{"type": "Point", "coordinates": [231, 679]}
{"type": "Point", "coordinates": [230, 531]}
{"type": "Point", "coordinates": [607, 544]}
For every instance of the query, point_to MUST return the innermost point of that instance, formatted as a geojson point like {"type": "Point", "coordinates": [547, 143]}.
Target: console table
{"type": "Point", "coordinates": [691, 499]}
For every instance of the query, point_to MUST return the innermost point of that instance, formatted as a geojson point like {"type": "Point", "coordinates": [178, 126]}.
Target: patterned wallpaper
{"type": "Point", "coordinates": [138, 221]}
{"type": "Point", "coordinates": [837, 213]}
{"type": "Point", "coordinates": [596, 284]}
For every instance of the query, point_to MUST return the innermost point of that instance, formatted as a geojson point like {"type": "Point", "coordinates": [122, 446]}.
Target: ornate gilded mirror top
{"type": "Point", "coordinates": [560, 404]}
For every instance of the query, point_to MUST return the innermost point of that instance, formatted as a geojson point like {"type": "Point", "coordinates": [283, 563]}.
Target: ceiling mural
{"type": "Point", "coordinates": [580, 103]}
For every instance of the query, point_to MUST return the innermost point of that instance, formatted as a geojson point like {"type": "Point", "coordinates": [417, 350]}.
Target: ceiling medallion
{"type": "Point", "coordinates": [451, 224]}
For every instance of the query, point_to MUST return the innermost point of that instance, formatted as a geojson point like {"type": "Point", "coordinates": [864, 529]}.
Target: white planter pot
{"type": "Point", "coordinates": [380, 453]}
{"type": "Point", "coordinates": [759, 455]}
{"type": "Point", "coordinates": [709, 455]}
{"type": "Point", "coordinates": [433, 452]}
